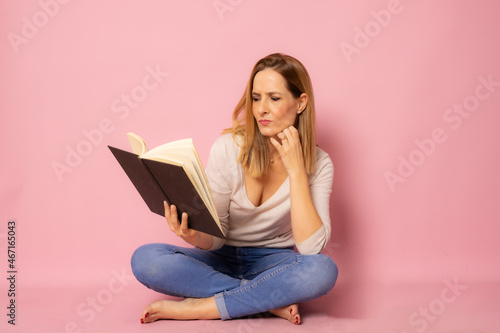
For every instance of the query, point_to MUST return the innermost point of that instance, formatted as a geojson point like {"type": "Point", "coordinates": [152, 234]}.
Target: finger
{"type": "Point", "coordinates": [276, 145]}
{"type": "Point", "coordinates": [174, 220]}
{"type": "Point", "coordinates": [294, 132]}
{"type": "Point", "coordinates": [167, 211]}
{"type": "Point", "coordinates": [283, 138]}
{"type": "Point", "coordinates": [288, 133]}
{"type": "Point", "coordinates": [184, 223]}
{"type": "Point", "coordinates": [292, 135]}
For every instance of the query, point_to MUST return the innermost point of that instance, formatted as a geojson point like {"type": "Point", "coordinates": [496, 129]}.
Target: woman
{"type": "Point", "coordinates": [271, 186]}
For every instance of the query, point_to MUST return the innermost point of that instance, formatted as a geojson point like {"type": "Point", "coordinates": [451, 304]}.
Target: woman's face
{"type": "Point", "coordinates": [273, 105]}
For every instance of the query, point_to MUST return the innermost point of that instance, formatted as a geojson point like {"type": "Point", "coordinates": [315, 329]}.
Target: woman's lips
{"type": "Point", "coordinates": [264, 122]}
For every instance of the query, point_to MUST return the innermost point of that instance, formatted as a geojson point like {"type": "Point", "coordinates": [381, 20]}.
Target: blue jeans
{"type": "Point", "coordinates": [244, 280]}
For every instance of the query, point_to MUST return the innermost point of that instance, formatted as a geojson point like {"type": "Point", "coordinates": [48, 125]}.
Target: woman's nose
{"type": "Point", "coordinates": [263, 109]}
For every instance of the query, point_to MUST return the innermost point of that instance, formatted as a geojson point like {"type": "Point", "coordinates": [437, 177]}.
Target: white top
{"type": "Point", "coordinates": [268, 225]}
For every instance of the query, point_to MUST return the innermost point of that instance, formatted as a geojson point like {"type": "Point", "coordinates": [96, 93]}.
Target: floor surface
{"type": "Point", "coordinates": [115, 305]}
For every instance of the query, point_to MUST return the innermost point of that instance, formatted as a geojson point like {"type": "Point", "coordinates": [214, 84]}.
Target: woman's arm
{"type": "Point", "coordinates": [222, 157]}
{"type": "Point", "coordinates": [305, 218]}
{"type": "Point", "coordinates": [304, 214]}
{"type": "Point", "coordinates": [320, 186]}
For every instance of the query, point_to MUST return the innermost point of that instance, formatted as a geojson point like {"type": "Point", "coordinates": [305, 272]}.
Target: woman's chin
{"type": "Point", "coordinates": [267, 133]}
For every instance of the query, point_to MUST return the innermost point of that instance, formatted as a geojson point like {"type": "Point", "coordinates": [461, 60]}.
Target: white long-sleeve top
{"type": "Point", "coordinates": [268, 225]}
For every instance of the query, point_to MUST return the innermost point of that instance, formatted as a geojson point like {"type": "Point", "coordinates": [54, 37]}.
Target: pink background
{"type": "Point", "coordinates": [65, 68]}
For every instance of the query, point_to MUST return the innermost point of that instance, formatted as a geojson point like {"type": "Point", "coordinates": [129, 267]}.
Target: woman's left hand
{"type": "Point", "coordinates": [290, 151]}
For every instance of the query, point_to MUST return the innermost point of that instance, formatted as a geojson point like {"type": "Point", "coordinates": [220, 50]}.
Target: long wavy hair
{"type": "Point", "coordinates": [254, 149]}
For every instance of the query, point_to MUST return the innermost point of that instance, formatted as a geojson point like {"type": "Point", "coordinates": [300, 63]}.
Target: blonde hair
{"type": "Point", "coordinates": [254, 150]}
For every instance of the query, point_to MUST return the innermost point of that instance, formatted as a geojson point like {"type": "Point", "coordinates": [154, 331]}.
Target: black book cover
{"type": "Point", "coordinates": [157, 181]}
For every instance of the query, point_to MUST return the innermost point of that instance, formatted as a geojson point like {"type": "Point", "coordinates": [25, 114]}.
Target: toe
{"type": "Point", "coordinates": [147, 315]}
{"type": "Point", "coordinates": [294, 314]}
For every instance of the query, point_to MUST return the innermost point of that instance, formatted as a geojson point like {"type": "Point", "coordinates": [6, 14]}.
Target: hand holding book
{"type": "Point", "coordinates": [181, 229]}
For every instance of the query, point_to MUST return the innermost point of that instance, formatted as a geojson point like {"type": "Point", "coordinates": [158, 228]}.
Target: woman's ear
{"type": "Point", "coordinates": [302, 103]}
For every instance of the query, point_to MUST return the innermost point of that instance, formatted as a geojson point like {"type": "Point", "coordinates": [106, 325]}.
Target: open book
{"type": "Point", "coordinates": [171, 172]}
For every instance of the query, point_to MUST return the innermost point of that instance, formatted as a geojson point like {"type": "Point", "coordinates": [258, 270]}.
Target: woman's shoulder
{"type": "Point", "coordinates": [225, 144]}
{"type": "Point", "coordinates": [222, 161]}
{"type": "Point", "coordinates": [322, 157]}
{"type": "Point", "coordinates": [324, 164]}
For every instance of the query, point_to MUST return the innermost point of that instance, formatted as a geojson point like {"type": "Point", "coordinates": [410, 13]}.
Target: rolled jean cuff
{"type": "Point", "coordinates": [221, 306]}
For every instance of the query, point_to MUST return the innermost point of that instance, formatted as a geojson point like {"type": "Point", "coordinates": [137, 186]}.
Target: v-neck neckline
{"type": "Point", "coordinates": [270, 199]}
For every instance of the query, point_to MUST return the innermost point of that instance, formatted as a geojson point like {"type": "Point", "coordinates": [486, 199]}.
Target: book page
{"type": "Point", "coordinates": [187, 148]}
{"type": "Point", "coordinates": [137, 143]}
{"type": "Point", "coordinates": [183, 153]}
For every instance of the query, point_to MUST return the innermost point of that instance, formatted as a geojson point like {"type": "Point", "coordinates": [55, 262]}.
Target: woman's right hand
{"type": "Point", "coordinates": [180, 229]}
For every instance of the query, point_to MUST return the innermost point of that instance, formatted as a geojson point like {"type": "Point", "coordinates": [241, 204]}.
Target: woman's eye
{"type": "Point", "coordinates": [275, 98]}
{"type": "Point", "coordinates": [255, 99]}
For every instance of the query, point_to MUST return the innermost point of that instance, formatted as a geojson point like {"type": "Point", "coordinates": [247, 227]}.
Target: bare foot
{"type": "Point", "coordinates": [290, 313]}
{"type": "Point", "coordinates": [189, 308]}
